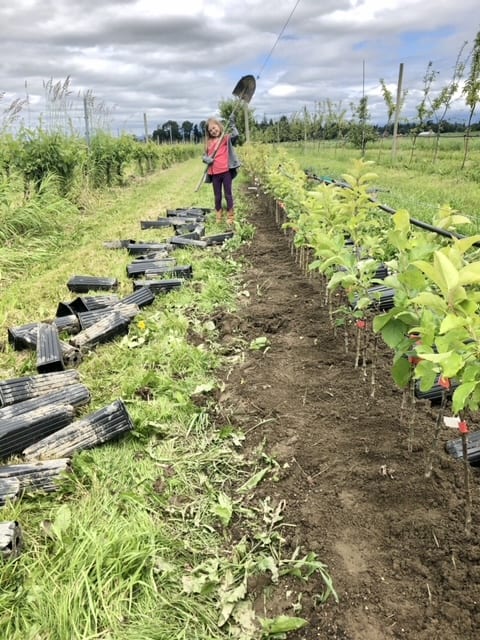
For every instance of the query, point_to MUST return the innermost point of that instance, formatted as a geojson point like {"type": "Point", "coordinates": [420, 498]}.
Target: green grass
{"type": "Point", "coordinates": [137, 542]}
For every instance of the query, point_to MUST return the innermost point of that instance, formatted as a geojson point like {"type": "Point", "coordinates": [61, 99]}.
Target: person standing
{"type": "Point", "coordinates": [222, 164]}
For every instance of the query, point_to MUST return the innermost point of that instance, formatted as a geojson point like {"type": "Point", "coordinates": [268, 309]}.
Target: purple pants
{"type": "Point", "coordinates": [224, 180]}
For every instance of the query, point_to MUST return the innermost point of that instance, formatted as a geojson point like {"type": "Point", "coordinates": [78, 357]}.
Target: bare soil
{"type": "Point", "coordinates": [393, 540]}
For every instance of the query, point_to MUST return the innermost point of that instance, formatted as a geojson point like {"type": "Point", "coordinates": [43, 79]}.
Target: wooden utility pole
{"type": "Point", "coordinates": [145, 125]}
{"type": "Point", "coordinates": [397, 111]}
{"type": "Point", "coordinates": [247, 123]}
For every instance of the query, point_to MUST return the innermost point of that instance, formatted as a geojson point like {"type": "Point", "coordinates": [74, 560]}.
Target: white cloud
{"type": "Point", "coordinates": [177, 60]}
{"type": "Point", "coordinates": [282, 90]}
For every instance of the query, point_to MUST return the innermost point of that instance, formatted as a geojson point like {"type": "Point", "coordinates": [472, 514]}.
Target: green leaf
{"type": "Point", "coordinates": [468, 307]}
{"type": "Point", "coordinates": [451, 221]}
{"type": "Point", "coordinates": [62, 521]}
{"type": "Point", "coordinates": [430, 300]}
{"type": "Point", "coordinates": [252, 482]}
{"type": "Point", "coordinates": [259, 343]}
{"type": "Point", "coordinates": [464, 244]}
{"type": "Point", "coordinates": [281, 624]}
{"type": "Point", "coordinates": [447, 270]}
{"type": "Point", "coordinates": [402, 372]}
{"type": "Point", "coordinates": [267, 563]}
{"type": "Point", "coordinates": [244, 615]}
{"type": "Point", "coordinates": [469, 274]}
{"type": "Point", "coordinates": [450, 322]}
{"type": "Point", "coordinates": [452, 365]}
{"type": "Point", "coordinates": [411, 278]}
{"type": "Point", "coordinates": [429, 270]}
{"type": "Point", "coordinates": [426, 373]}
{"type": "Point", "coordinates": [461, 395]}
{"type": "Point", "coordinates": [380, 321]}
{"type": "Point", "coordinates": [393, 333]}
{"type": "Point", "coordinates": [402, 220]}
{"type": "Point", "coordinates": [437, 358]}
{"type": "Point", "coordinates": [223, 508]}
{"type": "Point", "coordinates": [342, 278]}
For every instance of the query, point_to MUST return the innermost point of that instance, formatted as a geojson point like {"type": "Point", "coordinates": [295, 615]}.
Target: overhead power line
{"type": "Point", "coordinates": [278, 38]}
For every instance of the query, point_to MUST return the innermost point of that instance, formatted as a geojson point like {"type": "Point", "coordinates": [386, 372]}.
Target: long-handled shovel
{"type": "Point", "coordinates": [244, 90]}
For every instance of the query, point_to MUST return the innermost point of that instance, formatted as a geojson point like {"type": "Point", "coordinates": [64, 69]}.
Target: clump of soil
{"type": "Point", "coordinates": [393, 540]}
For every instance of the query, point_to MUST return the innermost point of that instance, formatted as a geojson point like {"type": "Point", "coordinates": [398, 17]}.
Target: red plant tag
{"type": "Point", "coordinates": [463, 427]}
{"type": "Point", "coordinates": [361, 324]}
{"type": "Point", "coordinates": [444, 382]}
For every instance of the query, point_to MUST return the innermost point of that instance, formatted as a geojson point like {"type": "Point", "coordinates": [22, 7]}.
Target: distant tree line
{"type": "Point", "coordinates": [171, 131]}
{"type": "Point", "coordinates": [290, 129]}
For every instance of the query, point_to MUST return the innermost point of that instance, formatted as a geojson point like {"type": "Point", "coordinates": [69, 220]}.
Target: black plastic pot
{"type": "Point", "coordinates": [10, 539]}
{"type": "Point", "coordinates": [434, 394]}
{"type": "Point", "coordinates": [179, 271]}
{"type": "Point", "coordinates": [218, 238]}
{"type": "Point", "coordinates": [49, 350]}
{"type": "Point", "coordinates": [86, 303]}
{"type": "Point", "coordinates": [14, 390]}
{"type": "Point", "coordinates": [141, 297]}
{"type": "Point", "coordinates": [455, 448]}
{"type": "Point", "coordinates": [138, 268]}
{"type": "Point", "coordinates": [159, 286]}
{"type": "Point", "coordinates": [110, 326]}
{"type": "Point", "coordinates": [100, 426]}
{"type": "Point", "coordinates": [82, 284]}
{"type": "Point", "coordinates": [9, 489]}
{"type": "Point", "coordinates": [75, 394]}
{"type": "Point", "coordinates": [187, 242]}
{"type": "Point", "coordinates": [161, 223]}
{"type": "Point", "coordinates": [139, 248]}
{"type": "Point", "coordinates": [36, 476]}
{"type": "Point", "coordinates": [27, 428]}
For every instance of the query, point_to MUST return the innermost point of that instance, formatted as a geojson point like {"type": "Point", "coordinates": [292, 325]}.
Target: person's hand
{"type": "Point", "coordinates": [208, 160]}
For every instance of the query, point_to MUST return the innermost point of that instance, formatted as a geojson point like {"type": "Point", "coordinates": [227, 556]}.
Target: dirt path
{"type": "Point", "coordinates": [392, 540]}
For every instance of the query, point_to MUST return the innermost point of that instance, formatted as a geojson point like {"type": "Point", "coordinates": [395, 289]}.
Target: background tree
{"type": "Point", "coordinates": [444, 99]}
{"type": "Point", "coordinates": [336, 123]}
{"type": "Point", "coordinates": [360, 131]}
{"type": "Point", "coordinates": [471, 92]}
{"type": "Point", "coordinates": [390, 103]}
{"type": "Point", "coordinates": [198, 132]}
{"type": "Point", "coordinates": [318, 119]}
{"type": "Point", "coordinates": [171, 131]}
{"type": "Point", "coordinates": [186, 130]}
{"type": "Point", "coordinates": [424, 112]}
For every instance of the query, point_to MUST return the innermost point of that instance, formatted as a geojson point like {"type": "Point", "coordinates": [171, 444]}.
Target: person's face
{"type": "Point", "coordinates": [214, 130]}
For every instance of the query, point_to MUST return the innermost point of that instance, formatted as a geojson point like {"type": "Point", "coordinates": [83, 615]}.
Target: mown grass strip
{"type": "Point", "coordinates": [137, 543]}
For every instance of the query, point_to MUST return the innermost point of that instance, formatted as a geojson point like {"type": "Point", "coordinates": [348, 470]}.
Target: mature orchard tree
{"type": "Point", "coordinates": [186, 130]}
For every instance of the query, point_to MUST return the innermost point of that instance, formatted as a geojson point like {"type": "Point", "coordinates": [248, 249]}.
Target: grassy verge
{"type": "Point", "coordinates": [139, 540]}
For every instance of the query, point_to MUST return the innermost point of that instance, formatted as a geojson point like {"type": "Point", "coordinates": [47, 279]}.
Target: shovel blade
{"type": "Point", "coordinates": [245, 88]}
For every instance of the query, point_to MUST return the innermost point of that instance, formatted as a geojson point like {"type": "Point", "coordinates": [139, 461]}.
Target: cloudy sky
{"type": "Point", "coordinates": [155, 60]}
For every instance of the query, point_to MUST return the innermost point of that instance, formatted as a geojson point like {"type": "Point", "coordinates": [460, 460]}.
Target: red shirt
{"type": "Point", "coordinates": [220, 163]}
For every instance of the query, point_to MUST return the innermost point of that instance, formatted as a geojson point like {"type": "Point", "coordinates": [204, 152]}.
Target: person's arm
{"type": "Point", "coordinates": [234, 135]}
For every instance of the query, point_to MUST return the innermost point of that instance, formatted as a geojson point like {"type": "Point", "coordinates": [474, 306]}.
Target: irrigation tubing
{"type": "Point", "coordinates": [383, 207]}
